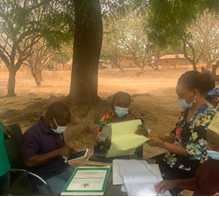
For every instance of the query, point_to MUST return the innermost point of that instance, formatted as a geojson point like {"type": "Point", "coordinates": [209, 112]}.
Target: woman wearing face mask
{"type": "Point", "coordinates": [206, 180]}
{"type": "Point", "coordinates": [120, 112]}
{"type": "Point", "coordinates": [186, 145]}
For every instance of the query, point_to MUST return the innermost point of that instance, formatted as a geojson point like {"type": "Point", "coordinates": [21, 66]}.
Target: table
{"type": "Point", "coordinates": [113, 190]}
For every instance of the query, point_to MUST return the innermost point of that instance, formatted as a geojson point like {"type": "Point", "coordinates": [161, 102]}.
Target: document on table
{"type": "Point", "coordinates": [139, 177]}
{"type": "Point", "coordinates": [118, 179]}
{"type": "Point", "coordinates": [87, 181]}
{"type": "Point", "coordinates": [123, 139]}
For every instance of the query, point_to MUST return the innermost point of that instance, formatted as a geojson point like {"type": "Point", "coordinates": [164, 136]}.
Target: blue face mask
{"type": "Point", "coordinates": [182, 102]}
{"type": "Point", "coordinates": [121, 111]}
{"type": "Point", "coordinates": [213, 154]}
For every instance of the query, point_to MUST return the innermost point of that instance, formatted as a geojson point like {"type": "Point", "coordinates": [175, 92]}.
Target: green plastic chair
{"type": "Point", "coordinates": [20, 185]}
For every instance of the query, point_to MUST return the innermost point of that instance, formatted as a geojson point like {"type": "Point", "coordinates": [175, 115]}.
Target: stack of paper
{"type": "Point", "coordinates": [138, 177]}
{"type": "Point", "coordinates": [124, 141]}
{"type": "Point", "coordinates": [87, 181]}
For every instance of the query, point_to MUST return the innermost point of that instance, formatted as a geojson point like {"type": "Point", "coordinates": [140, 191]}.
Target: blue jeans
{"type": "Point", "coordinates": [5, 184]}
{"type": "Point", "coordinates": [57, 183]}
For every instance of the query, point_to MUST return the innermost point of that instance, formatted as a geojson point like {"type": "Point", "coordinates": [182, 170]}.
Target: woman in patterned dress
{"type": "Point", "coordinates": [206, 179]}
{"type": "Point", "coordinates": [186, 144]}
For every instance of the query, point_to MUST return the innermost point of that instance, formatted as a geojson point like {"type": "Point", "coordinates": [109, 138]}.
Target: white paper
{"type": "Point", "coordinates": [123, 189]}
{"type": "Point", "coordinates": [117, 179]}
{"type": "Point", "coordinates": [139, 177]}
{"type": "Point", "coordinates": [140, 188]}
{"type": "Point", "coordinates": [137, 168]}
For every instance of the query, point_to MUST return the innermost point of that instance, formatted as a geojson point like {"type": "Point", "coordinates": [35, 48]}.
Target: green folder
{"type": "Point", "coordinates": [87, 181]}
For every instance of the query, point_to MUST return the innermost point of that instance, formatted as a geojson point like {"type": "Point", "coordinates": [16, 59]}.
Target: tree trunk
{"type": "Point", "coordinates": [40, 75]}
{"type": "Point", "coordinates": [120, 68]}
{"type": "Point", "coordinates": [141, 71]}
{"type": "Point", "coordinates": [208, 65]}
{"type": "Point", "coordinates": [11, 83]}
{"type": "Point", "coordinates": [37, 77]}
{"type": "Point", "coordinates": [87, 46]}
{"type": "Point", "coordinates": [194, 66]}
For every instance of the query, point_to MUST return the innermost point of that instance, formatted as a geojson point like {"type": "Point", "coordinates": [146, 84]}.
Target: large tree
{"type": "Point", "coordinates": [87, 46]}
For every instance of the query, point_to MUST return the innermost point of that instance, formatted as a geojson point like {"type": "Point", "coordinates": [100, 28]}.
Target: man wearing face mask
{"type": "Point", "coordinates": [43, 148]}
{"type": "Point", "coordinates": [186, 145]}
{"type": "Point", "coordinates": [120, 113]}
{"type": "Point", "coordinates": [206, 180]}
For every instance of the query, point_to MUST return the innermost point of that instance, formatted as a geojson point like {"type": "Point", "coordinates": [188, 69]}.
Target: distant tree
{"type": "Point", "coordinates": [111, 49]}
{"type": "Point", "coordinates": [23, 23]}
{"type": "Point", "coordinates": [205, 33]}
{"type": "Point", "coordinates": [38, 59]}
{"type": "Point", "coordinates": [63, 55]}
{"type": "Point", "coordinates": [189, 47]}
{"type": "Point", "coordinates": [134, 42]}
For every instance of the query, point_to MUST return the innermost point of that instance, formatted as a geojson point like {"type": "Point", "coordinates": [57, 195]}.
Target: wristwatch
{"type": "Point", "coordinates": [162, 144]}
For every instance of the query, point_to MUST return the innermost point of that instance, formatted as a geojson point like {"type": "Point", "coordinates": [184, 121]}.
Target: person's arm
{"type": "Point", "coordinates": [100, 127]}
{"type": "Point", "coordinates": [177, 149]}
{"type": "Point", "coordinates": [190, 184]}
{"type": "Point", "coordinates": [40, 159]}
{"type": "Point", "coordinates": [170, 138]}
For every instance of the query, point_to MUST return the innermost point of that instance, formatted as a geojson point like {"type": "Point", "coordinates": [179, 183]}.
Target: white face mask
{"type": "Point", "coordinates": [182, 102]}
{"type": "Point", "coordinates": [59, 129]}
{"type": "Point", "coordinates": [120, 111]}
{"type": "Point", "coordinates": [213, 154]}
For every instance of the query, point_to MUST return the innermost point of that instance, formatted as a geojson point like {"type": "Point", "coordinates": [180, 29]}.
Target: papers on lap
{"type": "Point", "coordinates": [87, 181]}
{"type": "Point", "coordinates": [123, 139]}
{"type": "Point", "coordinates": [138, 176]}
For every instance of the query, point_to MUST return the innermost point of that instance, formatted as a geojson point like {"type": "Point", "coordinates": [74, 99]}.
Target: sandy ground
{"type": "Point", "coordinates": [159, 109]}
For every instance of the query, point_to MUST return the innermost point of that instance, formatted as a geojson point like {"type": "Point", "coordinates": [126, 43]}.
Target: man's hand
{"type": "Point", "coordinates": [7, 131]}
{"type": "Point", "coordinates": [142, 130]}
{"type": "Point", "coordinates": [65, 151]}
{"type": "Point", "coordinates": [163, 186]}
{"type": "Point", "coordinates": [75, 147]}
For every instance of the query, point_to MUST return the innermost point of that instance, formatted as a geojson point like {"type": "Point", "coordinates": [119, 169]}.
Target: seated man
{"type": "Point", "coordinates": [206, 180]}
{"type": "Point", "coordinates": [43, 148]}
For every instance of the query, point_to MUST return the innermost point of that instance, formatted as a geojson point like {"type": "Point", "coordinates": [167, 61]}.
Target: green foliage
{"type": "Point", "coordinates": [51, 19]}
{"type": "Point", "coordinates": [62, 56]}
{"type": "Point", "coordinates": [168, 20]}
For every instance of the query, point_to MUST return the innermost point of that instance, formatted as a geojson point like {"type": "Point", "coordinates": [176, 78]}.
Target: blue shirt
{"type": "Point", "coordinates": [4, 162]}
{"type": "Point", "coordinates": [38, 139]}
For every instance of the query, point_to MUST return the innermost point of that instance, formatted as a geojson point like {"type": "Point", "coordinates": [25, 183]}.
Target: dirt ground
{"type": "Point", "coordinates": [158, 106]}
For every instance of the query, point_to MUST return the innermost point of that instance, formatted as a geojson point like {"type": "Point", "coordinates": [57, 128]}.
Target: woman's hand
{"type": "Point", "coordinates": [154, 141]}
{"type": "Point", "coordinates": [163, 186]}
{"type": "Point", "coordinates": [153, 135]}
{"type": "Point", "coordinates": [142, 130]}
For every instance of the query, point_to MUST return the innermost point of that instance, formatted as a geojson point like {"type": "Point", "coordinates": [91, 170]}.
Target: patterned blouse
{"type": "Point", "coordinates": [109, 118]}
{"type": "Point", "coordinates": [192, 136]}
